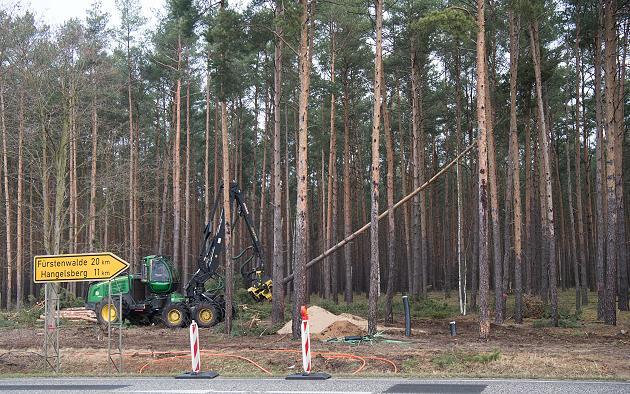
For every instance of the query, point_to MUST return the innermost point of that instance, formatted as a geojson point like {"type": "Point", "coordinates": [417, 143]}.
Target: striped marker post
{"type": "Point", "coordinates": [195, 356]}
{"type": "Point", "coordinates": [306, 342]}
{"type": "Point", "coordinates": [306, 353]}
{"type": "Point", "coordinates": [194, 347]}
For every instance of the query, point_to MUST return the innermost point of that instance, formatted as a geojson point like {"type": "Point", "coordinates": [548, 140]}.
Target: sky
{"type": "Point", "coordinates": [56, 12]}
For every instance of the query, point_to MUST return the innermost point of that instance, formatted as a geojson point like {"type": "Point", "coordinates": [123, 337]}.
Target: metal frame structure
{"type": "Point", "coordinates": [51, 326]}
{"type": "Point", "coordinates": [118, 349]}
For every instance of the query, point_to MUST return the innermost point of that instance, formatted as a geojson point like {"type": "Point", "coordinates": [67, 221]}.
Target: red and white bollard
{"type": "Point", "coordinates": [194, 347]}
{"type": "Point", "coordinates": [306, 342]}
{"type": "Point", "coordinates": [306, 353]}
{"type": "Point", "coordinates": [195, 356]}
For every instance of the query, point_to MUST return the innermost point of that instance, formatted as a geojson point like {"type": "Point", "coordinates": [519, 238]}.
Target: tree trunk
{"type": "Point", "coordinates": [610, 126]}
{"type": "Point", "coordinates": [482, 147]}
{"type": "Point", "coordinates": [461, 263]}
{"type": "Point", "coordinates": [165, 172]}
{"type": "Point", "coordinates": [186, 251]}
{"type": "Point", "coordinates": [347, 208]}
{"type": "Point", "coordinates": [573, 254]}
{"type": "Point", "coordinates": [177, 205]}
{"type": "Point", "coordinates": [74, 195]}
{"type": "Point", "coordinates": [549, 233]}
{"type": "Point", "coordinates": [61, 171]}
{"type": "Point", "coordinates": [277, 310]}
{"type": "Point", "coordinates": [287, 199]}
{"type": "Point", "coordinates": [416, 169]}
{"type": "Point", "coordinates": [45, 177]}
{"type": "Point", "coordinates": [474, 274]}
{"type": "Point", "coordinates": [206, 161]}
{"type": "Point", "coordinates": [7, 205]}
{"type": "Point", "coordinates": [215, 179]}
{"type": "Point", "coordinates": [299, 271]}
{"type": "Point", "coordinates": [92, 208]}
{"type": "Point", "coordinates": [391, 218]}
{"type": "Point", "coordinates": [263, 176]}
{"type": "Point", "coordinates": [529, 199]}
{"type": "Point", "coordinates": [227, 215]}
{"type": "Point", "coordinates": [622, 247]}
{"type": "Point", "coordinates": [19, 263]}
{"type": "Point", "coordinates": [600, 176]}
{"type": "Point", "coordinates": [515, 169]}
{"type": "Point", "coordinates": [374, 190]}
{"type": "Point", "coordinates": [132, 257]}
{"type": "Point", "coordinates": [31, 284]}
{"type": "Point", "coordinates": [582, 246]}
{"type": "Point", "coordinates": [494, 209]}
{"type": "Point", "coordinates": [331, 217]}
{"type": "Point", "coordinates": [157, 160]}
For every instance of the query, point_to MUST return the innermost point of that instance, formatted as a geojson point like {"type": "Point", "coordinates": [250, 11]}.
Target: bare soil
{"type": "Point", "coordinates": [591, 351]}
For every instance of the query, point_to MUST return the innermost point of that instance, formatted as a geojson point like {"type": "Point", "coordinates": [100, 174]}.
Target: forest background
{"type": "Point", "coordinates": [118, 139]}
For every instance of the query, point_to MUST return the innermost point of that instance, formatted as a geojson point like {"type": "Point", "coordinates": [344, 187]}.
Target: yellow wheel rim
{"type": "Point", "coordinates": [109, 313]}
{"type": "Point", "coordinates": [174, 316]}
{"type": "Point", "coordinates": [205, 315]}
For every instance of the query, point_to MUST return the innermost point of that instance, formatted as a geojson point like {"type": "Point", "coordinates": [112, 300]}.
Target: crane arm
{"type": "Point", "coordinates": [212, 244]}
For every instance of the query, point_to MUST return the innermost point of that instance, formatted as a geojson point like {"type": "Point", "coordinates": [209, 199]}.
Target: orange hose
{"type": "Point", "coordinates": [330, 355]}
{"type": "Point", "coordinates": [386, 360]}
{"type": "Point", "coordinates": [145, 366]}
{"type": "Point", "coordinates": [326, 354]}
{"type": "Point", "coordinates": [353, 357]}
{"type": "Point", "coordinates": [239, 357]}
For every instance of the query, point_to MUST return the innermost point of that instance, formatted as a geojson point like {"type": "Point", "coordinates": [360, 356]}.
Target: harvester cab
{"type": "Point", "coordinates": [152, 294]}
{"type": "Point", "coordinates": [159, 275]}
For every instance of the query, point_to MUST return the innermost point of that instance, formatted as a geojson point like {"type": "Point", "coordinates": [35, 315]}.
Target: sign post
{"type": "Point", "coordinates": [54, 269]}
{"type": "Point", "coordinates": [51, 322]}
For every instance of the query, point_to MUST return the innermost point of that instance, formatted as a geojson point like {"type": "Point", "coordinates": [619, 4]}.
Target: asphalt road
{"type": "Point", "coordinates": [341, 386]}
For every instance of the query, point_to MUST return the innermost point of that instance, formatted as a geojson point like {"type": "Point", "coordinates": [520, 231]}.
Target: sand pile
{"type": "Point", "coordinates": [326, 325]}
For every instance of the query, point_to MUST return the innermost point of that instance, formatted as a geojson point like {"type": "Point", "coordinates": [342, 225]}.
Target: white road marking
{"type": "Point", "coordinates": [318, 392]}
{"type": "Point", "coordinates": [175, 391]}
{"type": "Point", "coordinates": [242, 392]}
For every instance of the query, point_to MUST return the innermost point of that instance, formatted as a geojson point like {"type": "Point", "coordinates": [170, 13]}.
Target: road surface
{"type": "Point", "coordinates": [277, 385]}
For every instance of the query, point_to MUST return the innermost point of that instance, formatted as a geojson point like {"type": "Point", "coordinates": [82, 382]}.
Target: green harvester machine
{"type": "Point", "coordinates": [152, 295]}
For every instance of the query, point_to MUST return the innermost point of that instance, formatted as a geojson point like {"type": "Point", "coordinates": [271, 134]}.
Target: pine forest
{"type": "Point", "coordinates": [384, 148]}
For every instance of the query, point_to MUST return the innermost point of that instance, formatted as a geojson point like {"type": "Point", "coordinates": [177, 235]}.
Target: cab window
{"type": "Point", "coordinates": [159, 271]}
{"type": "Point", "coordinates": [144, 275]}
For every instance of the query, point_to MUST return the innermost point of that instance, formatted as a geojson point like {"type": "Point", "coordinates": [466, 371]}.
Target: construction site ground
{"type": "Point", "coordinates": [582, 348]}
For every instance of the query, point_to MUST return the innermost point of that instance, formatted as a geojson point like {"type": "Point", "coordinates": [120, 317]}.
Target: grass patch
{"type": "Point", "coordinates": [22, 318]}
{"type": "Point", "coordinates": [410, 364]}
{"type": "Point", "coordinates": [252, 318]}
{"type": "Point", "coordinates": [457, 358]}
{"type": "Point", "coordinates": [566, 319]}
{"type": "Point", "coordinates": [562, 323]}
{"type": "Point", "coordinates": [420, 308]}
{"type": "Point", "coordinates": [430, 308]}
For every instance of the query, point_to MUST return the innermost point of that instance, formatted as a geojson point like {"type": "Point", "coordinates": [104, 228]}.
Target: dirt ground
{"type": "Point", "coordinates": [591, 351]}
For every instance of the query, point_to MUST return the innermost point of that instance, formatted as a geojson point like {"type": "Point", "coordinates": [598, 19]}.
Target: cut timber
{"type": "Point", "coordinates": [76, 314]}
{"type": "Point", "coordinates": [386, 212]}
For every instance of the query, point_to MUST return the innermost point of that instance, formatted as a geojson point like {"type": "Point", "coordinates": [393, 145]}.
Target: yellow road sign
{"type": "Point", "coordinates": [77, 267]}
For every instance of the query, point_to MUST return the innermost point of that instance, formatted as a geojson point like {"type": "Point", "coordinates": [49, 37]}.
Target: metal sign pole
{"type": "Point", "coordinates": [119, 325]}
{"type": "Point", "coordinates": [46, 320]}
{"type": "Point", "coordinates": [120, 328]}
{"type": "Point", "coordinates": [51, 326]}
{"type": "Point", "coordinates": [109, 326]}
{"type": "Point", "coordinates": [52, 269]}
{"type": "Point", "coordinates": [57, 315]}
